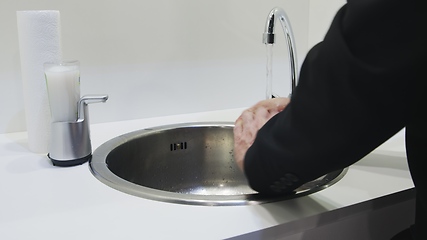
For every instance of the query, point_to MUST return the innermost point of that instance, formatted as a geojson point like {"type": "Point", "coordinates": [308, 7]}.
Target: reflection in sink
{"type": "Point", "coordinates": [184, 163]}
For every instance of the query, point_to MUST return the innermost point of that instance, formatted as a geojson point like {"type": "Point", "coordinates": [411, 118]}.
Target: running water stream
{"type": "Point", "coordinates": [269, 91]}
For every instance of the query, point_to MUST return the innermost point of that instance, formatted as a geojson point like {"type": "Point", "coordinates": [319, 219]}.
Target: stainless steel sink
{"type": "Point", "coordinates": [184, 163]}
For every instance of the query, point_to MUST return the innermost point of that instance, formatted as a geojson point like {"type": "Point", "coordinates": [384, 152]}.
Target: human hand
{"type": "Point", "coordinates": [250, 121]}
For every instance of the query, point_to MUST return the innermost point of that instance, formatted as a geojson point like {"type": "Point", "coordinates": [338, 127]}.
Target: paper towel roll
{"type": "Point", "coordinates": [39, 34]}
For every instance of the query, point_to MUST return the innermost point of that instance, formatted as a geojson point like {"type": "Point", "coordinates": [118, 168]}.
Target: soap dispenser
{"type": "Point", "coordinates": [69, 143]}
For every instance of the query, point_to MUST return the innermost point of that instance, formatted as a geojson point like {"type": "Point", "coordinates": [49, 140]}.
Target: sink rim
{"type": "Point", "coordinates": [100, 170]}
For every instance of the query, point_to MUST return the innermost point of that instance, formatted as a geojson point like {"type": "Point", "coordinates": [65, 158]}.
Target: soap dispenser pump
{"type": "Point", "coordinates": [70, 143]}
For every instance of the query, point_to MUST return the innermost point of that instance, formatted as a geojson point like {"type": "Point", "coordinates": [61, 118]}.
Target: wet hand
{"type": "Point", "coordinates": [250, 121]}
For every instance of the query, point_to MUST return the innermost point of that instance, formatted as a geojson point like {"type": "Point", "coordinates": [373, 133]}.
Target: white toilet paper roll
{"type": "Point", "coordinates": [39, 34]}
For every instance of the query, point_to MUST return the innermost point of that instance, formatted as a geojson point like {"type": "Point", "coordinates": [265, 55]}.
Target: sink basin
{"type": "Point", "coordinates": [188, 163]}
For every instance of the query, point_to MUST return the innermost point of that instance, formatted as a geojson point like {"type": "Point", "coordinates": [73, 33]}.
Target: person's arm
{"type": "Point", "coordinates": [351, 97]}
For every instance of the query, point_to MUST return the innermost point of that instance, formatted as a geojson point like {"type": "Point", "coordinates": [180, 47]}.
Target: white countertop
{"type": "Point", "coordinates": [40, 201]}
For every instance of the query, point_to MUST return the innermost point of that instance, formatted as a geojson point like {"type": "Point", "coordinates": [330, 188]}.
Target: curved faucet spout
{"type": "Point", "coordinates": [268, 38]}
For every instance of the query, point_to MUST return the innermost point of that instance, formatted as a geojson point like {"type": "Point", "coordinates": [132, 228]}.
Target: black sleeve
{"type": "Point", "coordinates": [351, 97]}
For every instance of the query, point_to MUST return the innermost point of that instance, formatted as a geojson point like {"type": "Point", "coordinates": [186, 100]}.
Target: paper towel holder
{"type": "Point", "coordinates": [70, 143]}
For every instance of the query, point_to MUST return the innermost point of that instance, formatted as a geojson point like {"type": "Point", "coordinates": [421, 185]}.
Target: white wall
{"type": "Point", "coordinates": [163, 57]}
{"type": "Point", "coordinates": [156, 58]}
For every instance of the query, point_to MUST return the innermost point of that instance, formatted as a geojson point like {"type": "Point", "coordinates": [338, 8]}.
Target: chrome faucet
{"type": "Point", "coordinates": [268, 38]}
